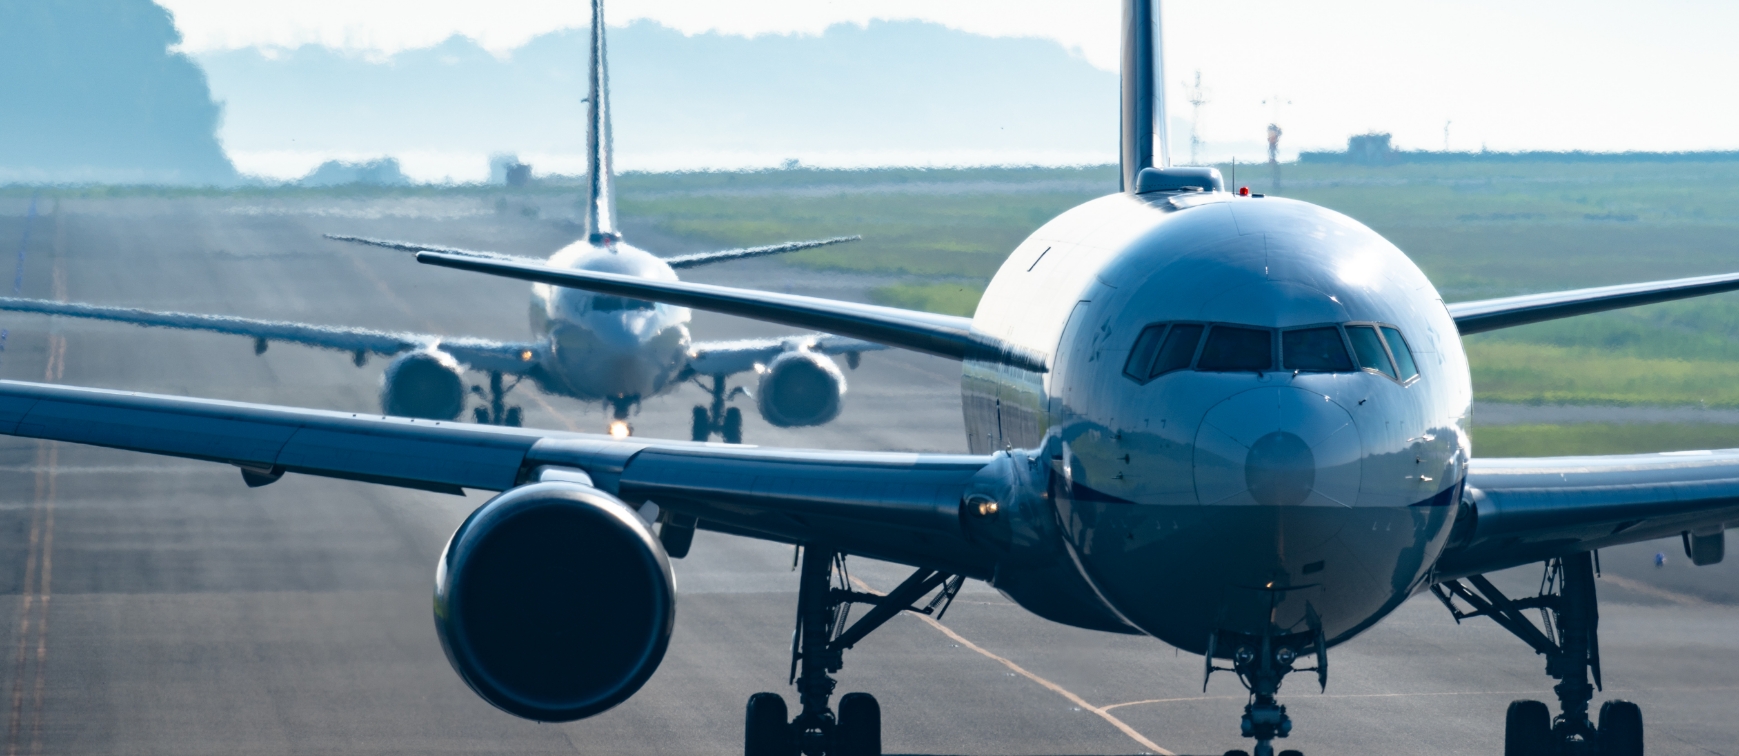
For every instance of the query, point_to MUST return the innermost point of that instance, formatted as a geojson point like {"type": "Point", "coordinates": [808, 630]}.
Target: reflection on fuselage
{"type": "Point", "coordinates": [1232, 497]}
{"type": "Point", "coordinates": [605, 347]}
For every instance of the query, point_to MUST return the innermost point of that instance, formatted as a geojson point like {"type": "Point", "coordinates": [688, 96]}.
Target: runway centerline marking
{"type": "Point", "coordinates": [1101, 712]}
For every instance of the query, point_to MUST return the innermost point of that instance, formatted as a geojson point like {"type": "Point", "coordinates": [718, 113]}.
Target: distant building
{"type": "Point", "coordinates": [506, 170]}
{"type": "Point", "coordinates": [382, 172]}
{"type": "Point", "coordinates": [1370, 149]}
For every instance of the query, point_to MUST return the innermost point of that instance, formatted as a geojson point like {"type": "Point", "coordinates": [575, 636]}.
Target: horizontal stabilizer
{"type": "Point", "coordinates": [942, 335]}
{"type": "Point", "coordinates": [1492, 314]}
{"type": "Point", "coordinates": [707, 258]}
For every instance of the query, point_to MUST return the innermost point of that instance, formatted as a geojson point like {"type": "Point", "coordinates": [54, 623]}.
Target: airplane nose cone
{"type": "Point", "coordinates": [1279, 447]}
{"type": "Point", "coordinates": [1280, 469]}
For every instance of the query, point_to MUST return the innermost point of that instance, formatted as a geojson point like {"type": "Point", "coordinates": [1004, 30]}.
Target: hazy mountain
{"type": "Point", "coordinates": [888, 89]}
{"type": "Point", "coordinates": [92, 94]}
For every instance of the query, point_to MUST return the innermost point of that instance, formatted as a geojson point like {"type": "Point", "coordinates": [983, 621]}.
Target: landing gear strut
{"type": "Point", "coordinates": [1570, 642]}
{"type": "Point", "coordinates": [824, 599]}
{"type": "Point", "coordinates": [727, 422]}
{"type": "Point", "coordinates": [496, 412]}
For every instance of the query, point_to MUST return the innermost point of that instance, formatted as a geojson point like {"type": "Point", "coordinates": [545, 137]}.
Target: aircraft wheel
{"type": "Point", "coordinates": [1528, 729]}
{"type": "Point", "coordinates": [480, 414]}
{"type": "Point", "coordinates": [1620, 729]}
{"type": "Point", "coordinates": [515, 417]}
{"type": "Point", "coordinates": [1237, 752]}
{"type": "Point", "coordinates": [766, 729]}
{"type": "Point", "coordinates": [702, 427]}
{"type": "Point", "coordinates": [733, 430]}
{"type": "Point", "coordinates": [859, 732]}
{"type": "Point", "coordinates": [1291, 753]}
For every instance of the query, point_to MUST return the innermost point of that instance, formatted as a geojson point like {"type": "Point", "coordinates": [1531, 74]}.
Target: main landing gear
{"type": "Point", "coordinates": [496, 411]}
{"type": "Point", "coordinates": [727, 422]}
{"type": "Point", "coordinates": [1570, 642]}
{"type": "Point", "coordinates": [824, 599]}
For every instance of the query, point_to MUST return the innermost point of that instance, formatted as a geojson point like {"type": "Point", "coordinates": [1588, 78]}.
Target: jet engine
{"type": "Point", "coordinates": [554, 601]}
{"type": "Point", "coordinates": [799, 389]}
{"type": "Point", "coordinates": [426, 384]}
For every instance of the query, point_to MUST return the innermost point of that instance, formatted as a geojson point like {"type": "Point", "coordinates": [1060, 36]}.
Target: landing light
{"type": "Point", "coordinates": [1285, 656]}
{"type": "Point", "coordinates": [525, 356]}
{"type": "Point", "coordinates": [619, 429]}
{"type": "Point", "coordinates": [983, 506]}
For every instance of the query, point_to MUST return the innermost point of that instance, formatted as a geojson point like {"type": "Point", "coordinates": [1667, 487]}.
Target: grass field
{"type": "Point", "coordinates": [1477, 229]}
{"type": "Point", "coordinates": [1599, 438]}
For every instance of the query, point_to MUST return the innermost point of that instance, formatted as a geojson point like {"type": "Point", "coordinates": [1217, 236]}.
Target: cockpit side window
{"type": "Point", "coordinates": [1315, 349]}
{"type": "Point", "coordinates": [1403, 355]}
{"type": "Point", "coordinates": [1158, 351]}
{"type": "Point", "coordinates": [1233, 349]}
{"type": "Point", "coordinates": [607, 303]}
{"type": "Point", "coordinates": [1368, 347]}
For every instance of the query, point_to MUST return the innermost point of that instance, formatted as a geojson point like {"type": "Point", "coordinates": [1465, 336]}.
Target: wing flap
{"type": "Point", "coordinates": [1492, 314]}
{"type": "Point", "coordinates": [1526, 510]}
{"type": "Point", "coordinates": [942, 335]}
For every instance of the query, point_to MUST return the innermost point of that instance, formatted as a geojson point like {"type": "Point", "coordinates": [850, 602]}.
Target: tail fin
{"type": "Point", "coordinates": [1143, 78]}
{"type": "Point", "coordinates": [600, 174]}
{"type": "Point", "coordinates": [1144, 127]}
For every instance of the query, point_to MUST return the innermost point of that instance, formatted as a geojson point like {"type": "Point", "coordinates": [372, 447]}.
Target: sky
{"type": "Point", "coordinates": [1597, 75]}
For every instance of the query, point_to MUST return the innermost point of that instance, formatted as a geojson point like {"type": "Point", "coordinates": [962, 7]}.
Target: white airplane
{"type": "Point", "coordinates": [594, 347]}
{"type": "Point", "coordinates": [1236, 424]}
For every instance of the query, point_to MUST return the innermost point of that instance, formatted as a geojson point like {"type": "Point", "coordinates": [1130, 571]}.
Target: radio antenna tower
{"type": "Point", "coordinates": [1197, 97]}
{"type": "Point", "coordinates": [1274, 133]}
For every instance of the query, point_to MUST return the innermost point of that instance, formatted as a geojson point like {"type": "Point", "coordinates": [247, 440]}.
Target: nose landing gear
{"type": "Point", "coordinates": [727, 422]}
{"type": "Point", "coordinates": [1261, 663]}
{"type": "Point", "coordinates": [1570, 642]}
{"type": "Point", "coordinates": [824, 599]}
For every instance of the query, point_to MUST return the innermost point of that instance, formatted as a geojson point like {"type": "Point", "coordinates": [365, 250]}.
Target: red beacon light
{"type": "Point", "coordinates": [1243, 191]}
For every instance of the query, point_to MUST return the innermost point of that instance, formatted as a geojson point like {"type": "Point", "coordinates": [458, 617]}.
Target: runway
{"type": "Point", "coordinates": [159, 606]}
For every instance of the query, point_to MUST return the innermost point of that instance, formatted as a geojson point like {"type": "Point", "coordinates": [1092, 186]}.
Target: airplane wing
{"type": "Point", "coordinates": [943, 335]}
{"type": "Point", "coordinates": [678, 262]}
{"type": "Point", "coordinates": [707, 258]}
{"type": "Point", "coordinates": [1492, 314]}
{"type": "Point", "coordinates": [513, 358]}
{"type": "Point", "coordinates": [899, 507]}
{"type": "Point", "coordinates": [1529, 510]}
{"type": "Point", "coordinates": [741, 355]}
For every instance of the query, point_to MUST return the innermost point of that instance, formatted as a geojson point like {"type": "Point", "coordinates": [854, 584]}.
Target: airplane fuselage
{"type": "Point", "coordinates": [1285, 477]}
{"type": "Point", "coordinates": [603, 347]}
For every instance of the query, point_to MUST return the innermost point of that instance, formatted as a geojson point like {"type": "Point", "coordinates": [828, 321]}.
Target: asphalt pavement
{"type": "Point", "coordinates": [155, 606]}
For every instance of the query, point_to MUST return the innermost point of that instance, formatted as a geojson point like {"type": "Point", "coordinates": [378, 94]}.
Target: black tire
{"type": "Point", "coordinates": [1291, 753]}
{"type": "Point", "coordinates": [1528, 729]}
{"type": "Point", "coordinates": [859, 732]}
{"type": "Point", "coordinates": [515, 417]}
{"type": "Point", "coordinates": [480, 414]}
{"type": "Point", "coordinates": [1620, 729]}
{"type": "Point", "coordinates": [1236, 752]}
{"type": "Point", "coordinates": [766, 728]}
{"type": "Point", "coordinates": [733, 426]}
{"type": "Point", "coordinates": [702, 428]}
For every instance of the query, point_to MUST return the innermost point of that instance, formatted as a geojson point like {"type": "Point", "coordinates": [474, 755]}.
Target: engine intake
{"type": "Point", "coordinates": [800, 389]}
{"type": "Point", "coordinates": [554, 601]}
{"type": "Point", "coordinates": [426, 384]}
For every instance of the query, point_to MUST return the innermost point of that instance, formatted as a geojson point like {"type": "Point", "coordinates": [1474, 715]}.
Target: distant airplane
{"type": "Point", "coordinates": [594, 347]}
{"type": "Point", "coordinates": [1237, 424]}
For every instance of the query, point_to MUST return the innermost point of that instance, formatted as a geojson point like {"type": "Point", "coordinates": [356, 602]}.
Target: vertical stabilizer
{"type": "Point", "coordinates": [600, 174]}
{"type": "Point", "coordinates": [1143, 79]}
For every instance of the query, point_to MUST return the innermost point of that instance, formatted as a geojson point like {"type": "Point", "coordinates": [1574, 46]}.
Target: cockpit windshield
{"type": "Point", "coordinates": [1168, 347]}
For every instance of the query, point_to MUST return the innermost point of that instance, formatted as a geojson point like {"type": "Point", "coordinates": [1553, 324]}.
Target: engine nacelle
{"type": "Point", "coordinates": [799, 389]}
{"type": "Point", "coordinates": [554, 601]}
{"type": "Point", "coordinates": [427, 384]}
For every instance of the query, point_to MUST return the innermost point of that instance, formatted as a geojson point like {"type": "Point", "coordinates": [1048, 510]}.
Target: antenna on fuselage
{"type": "Point", "coordinates": [1143, 77]}
{"type": "Point", "coordinates": [600, 175]}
